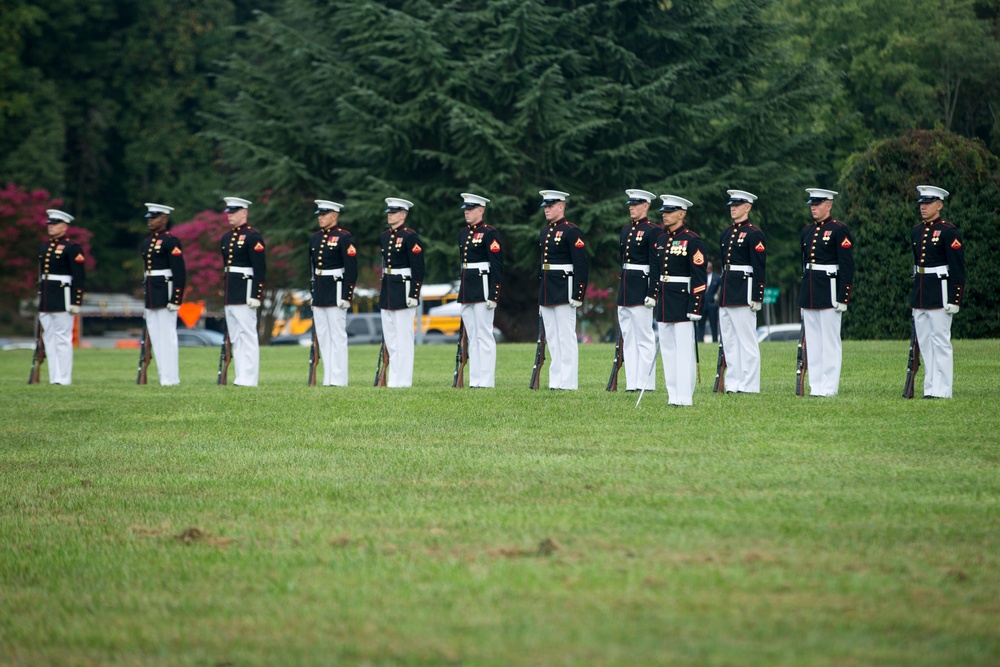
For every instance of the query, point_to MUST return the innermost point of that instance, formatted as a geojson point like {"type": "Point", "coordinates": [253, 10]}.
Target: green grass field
{"type": "Point", "coordinates": [287, 525]}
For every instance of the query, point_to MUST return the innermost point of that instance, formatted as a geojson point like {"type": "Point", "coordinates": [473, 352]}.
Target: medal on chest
{"type": "Point", "coordinates": [241, 240]}
{"type": "Point", "coordinates": [679, 247]}
{"type": "Point", "coordinates": [936, 236]}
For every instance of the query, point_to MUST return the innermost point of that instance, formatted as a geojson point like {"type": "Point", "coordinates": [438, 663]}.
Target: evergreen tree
{"type": "Point", "coordinates": [879, 186]}
{"type": "Point", "coordinates": [359, 101]}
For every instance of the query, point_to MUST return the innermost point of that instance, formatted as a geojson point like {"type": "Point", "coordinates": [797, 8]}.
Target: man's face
{"type": "Point", "coordinates": [638, 211]}
{"type": "Point", "coordinates": [555, 211]}
{"type": "Point", "coordinates": [56, 229]}
{"type": "Point", "coordinates": [821, 211]}
{"type": "Point", "coordinates": [396, 218]}
{"type": "Point", "coordinates": [739, 212]}
{"type": "Point", "coordinates": [157, 222]}
{"type": "Point", "coordinates": [237, 218]}
{"type": "Point", "coordinates": [474, 215]}
{"type": "Point", "coordinates": [709, 268]}
{"type": "Point", "coordinates": [328, 219]}
{"type": "Point", "coordinates": [931, 210]}
{"type": "Point", "coordinates": [674, 219]}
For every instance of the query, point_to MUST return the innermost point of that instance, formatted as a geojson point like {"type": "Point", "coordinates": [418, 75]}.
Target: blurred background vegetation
{"type": "Point", "coordinates": [108, 104]}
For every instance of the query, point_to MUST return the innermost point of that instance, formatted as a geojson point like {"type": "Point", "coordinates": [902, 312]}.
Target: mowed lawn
{"type": "Point", "coordinates": [288, 525]}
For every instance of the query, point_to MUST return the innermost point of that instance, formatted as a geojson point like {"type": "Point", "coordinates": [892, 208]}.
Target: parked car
{"type": "Point", "coordinates": [199, 338]}
{"type": "Point", "coordinates": [777, 333]}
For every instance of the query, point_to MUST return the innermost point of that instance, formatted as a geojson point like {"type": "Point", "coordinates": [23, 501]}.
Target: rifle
{"type": "Point", "coordinates": [144, 355]}
{"type": "Point", "coordinates": [697, 358]}
{"type": "Point", "coordinates": [536, 371]}
{"type": "Point", "coordinates": [39, 356]}
{"type": "Point", "coordinates": [383, 365]}
{"type": "Point", "coordinates": [912, 365]}
{"type": "Point", "coordinates": [461, 358]}
{"type": "Point", "coordinates": [616, 363]}
{"type": "Point", "coordinates": [313, 359]}
{"type": "Point", "coordinates": [720, 370]}
{"type": "Point", "coordinates": [801, 365]}
{"type": "Point", "coordinates": [225, 356]}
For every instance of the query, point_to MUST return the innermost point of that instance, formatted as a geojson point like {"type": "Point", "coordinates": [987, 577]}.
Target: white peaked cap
{"type": "Point", "coordinates": [469, 200]}
{"type": "Point", "coordinates": [159, 209]}
{"type": "Point", "coordinates": [325, 206]}
{"type": "Point", "coordinates": [394, 204]}
{"type": "Point", "coordinates": [61, 216]}
{"type": "Point", "coordinates": [644, 195]}
{"type": "Point", "coordinates": [741, 195]}
{"type": "Point", "coordinates": [816, 194]}
{"type": "Point", "coordinates": [236, 202]}
{"type": "Point", "coordinates": [552, 196]}
{"type": "Point", "coordinates": [675, 202]}
{"type": "Point", "coordinates": [931, 192]}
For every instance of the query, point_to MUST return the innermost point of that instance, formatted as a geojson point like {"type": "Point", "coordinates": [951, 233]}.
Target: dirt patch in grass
{"type": "Point", "coordinates": [546, 547]}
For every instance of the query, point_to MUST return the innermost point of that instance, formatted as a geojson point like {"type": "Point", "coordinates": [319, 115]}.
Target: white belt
{"type": "Point", "coordinates": [65, 280]}
{"type": "Point", "coordinates": [245, 270]}
{"type": "Point", "coordinates": [558, 267]}
{"type": "Point", "coordinates": [936, 270]}
{"type": "Point", "coordinates": [336, 273]}
{"type": "Point", "coordinates": [745, 268]}
{"type": "Point", "coordinates": [831, 269]}
{"type": "Point", "coordinates": [636, 267]}
{"type": "Point", "coordinates": [398, 272]}
{"type": "Point", "coordinates": [676, 279]}
{"type": "Point", "coordinates": [166, 273]}
{"type": "Point", "coordinates": [482, 266]}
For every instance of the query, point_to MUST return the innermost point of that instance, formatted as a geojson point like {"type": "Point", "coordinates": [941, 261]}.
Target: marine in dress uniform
{"type": "Point", "coordinates": [637, 292]}
{"type": "Point", "coordinates": [333, 269]}
{"type": "Point", "coordinates": [60, 293]}
{"type": "Point", "coordinates": [744, 256]}
{"type": "Point", "coordinates": [164, 278]}
{"type": "Point", "coordinates": [482, 275]}
{"type": "Point", "coordinates": [827, 275]}
{"type": "Point", "coordinates": [938, 284]}
{"type": "Point", "coordinates": [563, 284]}
{"type": "Point", "coordinates": [402, 276]}
{"type": "Point", "coordinates": [680, 262]}
{"type": "Point", "coordinates": [245, 271]}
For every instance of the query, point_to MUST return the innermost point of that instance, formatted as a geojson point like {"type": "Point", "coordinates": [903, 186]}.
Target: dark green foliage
{"type": "Point", "coordinates": [879, 187]}
{"type": "Point", "coordinates": [357, 101]}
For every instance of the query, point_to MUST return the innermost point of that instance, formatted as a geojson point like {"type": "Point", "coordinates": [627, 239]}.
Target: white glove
{"type": "Point", "coordinates": [343, 305]}
{"type": "Point", "coordinates": [173, 307]}
{"type": "Point", "coordinates": [649, 302]}
{"type": "Point", "coordinates": [73, 310]}
{"type": "Point", "coordinates": [755, 306]}
{"type": "Point", "coordinates": [575, 303]}
{"type": "Point", "coordinates": [253, 303]}
{"type": "Point", "coordinates": [951, 309]}
{"type": "Point", "coordinates": [491, 305]}
{"type": "Point", "coordinates": [693, 317]}
{"type": "Point", "coordinates": [840, 307]}
{"type": "Point", "coordinates": [411, 303]}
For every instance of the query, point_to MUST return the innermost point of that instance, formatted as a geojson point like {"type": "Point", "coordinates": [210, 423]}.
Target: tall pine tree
{"type": "Point", "coordinates": [359, 101]}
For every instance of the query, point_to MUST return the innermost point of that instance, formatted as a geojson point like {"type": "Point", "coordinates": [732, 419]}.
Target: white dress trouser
{"type": "Point", "coordinates": [934, 338]}
{"type": "Point", "coordinates": [823, 350]}
{"type": "Point", "coordinates": [331, 332]}
{"type": "Point", "coordinates": [397, 327]}
{"type": "Point", "coordinates": [57, 336]}
{"type": "Point", "coordinates": [241, 322]}
{"type": "Point", "coordinates": [638, 346]}
{"type": "Point", "coordinates": [679, 371]}
{"type": "Point", "coordinates": [162, 327]}
{"type": "Point", "coordinates": [478, 321]}
{"type": "Point", "coordinates": [560, 335]}
{"type": "Point", "coordinates": [738, 327]}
